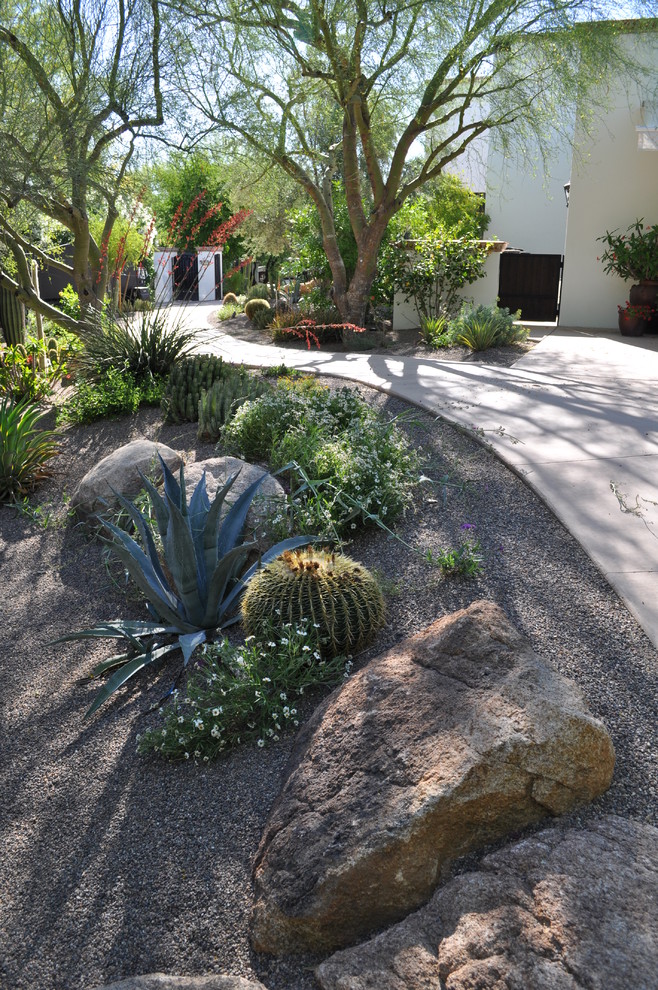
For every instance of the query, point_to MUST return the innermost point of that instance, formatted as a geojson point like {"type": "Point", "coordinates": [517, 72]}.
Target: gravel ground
{"type": "Point", "coordinates": [115, 865]}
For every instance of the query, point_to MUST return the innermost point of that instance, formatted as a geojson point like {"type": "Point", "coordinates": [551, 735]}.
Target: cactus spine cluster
{"type": "Point", "coordinates": [219, 403]}
{"type": "Point", "coordinates": [188, 379]}
{"type": "Point", "coordinates": [330, 590]}
{"type": "Point", "coordinates": [12, 317]}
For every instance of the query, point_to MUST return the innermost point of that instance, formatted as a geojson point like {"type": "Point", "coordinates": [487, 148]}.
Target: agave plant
{"type": "Point", "coordinates": [191, 593]}
{"type": "Point", "coordinates": [24, 449]}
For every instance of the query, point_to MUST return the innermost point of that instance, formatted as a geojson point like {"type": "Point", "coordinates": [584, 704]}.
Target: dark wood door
{"type": "Point", "coordinates": [186, 277]}
{"type": "Point", "coordinates": [531, 283]}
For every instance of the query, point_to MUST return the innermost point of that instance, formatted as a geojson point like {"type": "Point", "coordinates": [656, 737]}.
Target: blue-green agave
{"type": "Point", "coordinates": [197, 590]}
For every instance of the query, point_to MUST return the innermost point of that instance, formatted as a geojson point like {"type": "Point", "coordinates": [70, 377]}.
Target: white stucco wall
{"type": "Point", "coordinates": [526, 206]}
{"type": "Point", "coordinates": [617, 184]}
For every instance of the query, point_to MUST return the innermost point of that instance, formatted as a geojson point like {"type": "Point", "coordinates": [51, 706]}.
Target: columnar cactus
{"type": "Point", "coordinates": [12, 317]}
{"type": "Point", "coordinates": [333, 592]}
{"type": "Point", "coordinates": [188, 379]}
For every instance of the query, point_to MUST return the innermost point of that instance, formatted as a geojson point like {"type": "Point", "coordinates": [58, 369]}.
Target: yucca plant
{"type": "Point", "coordinates": [24, 449]}
{"type": "Point", "coordinates": [193, 591]}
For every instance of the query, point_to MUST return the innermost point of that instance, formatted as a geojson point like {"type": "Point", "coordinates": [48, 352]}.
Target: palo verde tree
{"type": "Point", "coordinates": [79, 83]}
{"type": "Point", "coordinates": [384, 94]}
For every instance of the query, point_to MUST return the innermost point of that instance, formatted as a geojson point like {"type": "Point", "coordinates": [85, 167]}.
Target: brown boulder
{"type": "Point", "coordinates": [161, 981]}
{"type": "Point", "coordinates": [562, 910]}
{"type": "Point", "coordinates": [120, 471]}
{"type": "Point", "coordinates": [451, 740]}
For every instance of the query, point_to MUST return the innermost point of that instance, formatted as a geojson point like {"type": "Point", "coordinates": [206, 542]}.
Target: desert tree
{"type": "Point", "coordinates": [385, 94]}
{"type": "Point", "coordinates": [80, 81]}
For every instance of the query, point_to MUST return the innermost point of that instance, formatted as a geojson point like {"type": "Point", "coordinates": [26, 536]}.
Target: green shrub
{"type": "Point", "coordinates": [228, 311]}
{"type": "Point", "coordinates": [243, 694]}
{"type": "Point", "coordinates": [487, 326]}
{"type": "Point", "coordinates": [224, 398]}
{"type": "Point", "coordinates": [186, 384]}
{"type": "Point", "coordinates": [230, 299]}
{"type": "Point", "coordinates": [436, 332]}
{"type": "Point", "coordinates": [258, 291]}
{"type": "Point", "coordinates": [114, 393]}
{"type": "Point", "coordinates": [69, 303]}
{"type": "Point", "coordinates": [194, 589]}
{"type": "Point", "coordinates": [335, 595]}
{"type": "Point", "coordinates": [252, 305]}
{"type": "Point", "coordinates": [262, 318]}
{"type": "Point", "coordinates": [24, 449]}
{"type": "Point", "coordinates": [20, 374]}
{"type": "Point", "coordinates": [361, 464]}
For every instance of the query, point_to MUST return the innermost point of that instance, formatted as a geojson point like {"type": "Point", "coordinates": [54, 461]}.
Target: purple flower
{"type": "Point", "coordinates": [467, 526]}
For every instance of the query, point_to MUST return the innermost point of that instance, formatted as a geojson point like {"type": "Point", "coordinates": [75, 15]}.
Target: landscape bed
{"type": "Point", "coordinates": [116, 864]}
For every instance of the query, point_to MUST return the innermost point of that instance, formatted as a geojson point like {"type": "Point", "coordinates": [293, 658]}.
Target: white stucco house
{"type": "Point", "coordinates": [611, 178]}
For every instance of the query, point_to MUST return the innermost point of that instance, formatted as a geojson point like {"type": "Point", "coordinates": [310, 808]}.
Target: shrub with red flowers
{"type": "Point", "coordinates": [633, 254]}
{"type": "Point", "coordinates": [631, 312]}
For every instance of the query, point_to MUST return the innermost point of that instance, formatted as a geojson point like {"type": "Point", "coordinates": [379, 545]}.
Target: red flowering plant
{"type": "Point", "coordinates": [633, 254]}
{"type": "Point", "coordinates": [632, 312]}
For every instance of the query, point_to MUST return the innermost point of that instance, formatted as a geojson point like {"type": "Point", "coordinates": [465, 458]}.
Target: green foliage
{"type": "Point", "coordinates": [262, 318]}
{"type": "Point", "coordinates": [113, 393]}
{"type": "Point", "coordinates": [435, 269]}
{"type": "Point", "coordinates": [146, 345]}
{"type": "Point", "coordinates": [632, 254]}
{"type": "Point", "coordinates": [12, 317]}
{"type": "Point", "coordinates": [235, 283]}
{"type": "Point", "coordinates": [462, 561]}
{"type": "Point", "coordinates": [20, 373]}
{"type": "Point", "coordinates": [335, 595]}
{"type": "Point", "coordinates": [258, 291]}
{"type": "Point", "coordinates": [224, 397]}
{"type": "Point", "coordinates": [487, 326]}
{"type": "Point", "coordinates": [190, 201]}
{"type": "Point", "coordinates": [360, 463]}
{"type": "Point", "coordinates": [193, 590]}
{"type": "Point", "coordinates": [229, 310]}
{"type": "Point", "coordinates": [230, 299]}
{"type": "Point", "coordinates": [24, 449]}
{"type": "Point", "coordinates": [253, 305]}
{"type": "Point", "coordinates": [243, 694]}
{"type": "Point", "coordinates": [435, 331]}
{"type": "Point", "coordinates": [69, 302]}
{"type": "Point", "coordinates": [307, 252]}
{"type": "Point", "coordinates": [189, 378]}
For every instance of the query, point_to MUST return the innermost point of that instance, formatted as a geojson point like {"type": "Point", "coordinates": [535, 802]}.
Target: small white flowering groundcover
{"type": "Point", "coordinates": [241, 694]}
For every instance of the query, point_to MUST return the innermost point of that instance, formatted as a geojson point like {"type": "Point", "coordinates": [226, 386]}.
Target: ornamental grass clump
{"type": "Point", "coordinates": [193, 592]}
{"type": "Point", "coordinates": [244, 694]}
{"type": "Point", "coordinates": [339, 596]}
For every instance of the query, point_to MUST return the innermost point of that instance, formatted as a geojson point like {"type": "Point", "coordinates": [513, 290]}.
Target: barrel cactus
{"type": "Point", "coordinates": [230, 299]}
{"type": "Point", "coordinates": [253, 305]}
{"type": "Point", "coordinates": [332, 591]}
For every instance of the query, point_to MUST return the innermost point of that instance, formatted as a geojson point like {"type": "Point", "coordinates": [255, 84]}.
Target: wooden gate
{"type": "Point", "coordinates": [531, 283]}
{"type": "Point", "coordinates": [186, 277]}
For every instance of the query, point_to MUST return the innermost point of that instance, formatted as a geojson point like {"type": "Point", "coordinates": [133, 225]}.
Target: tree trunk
{"type": "Point", "coordinates": [353, 302]}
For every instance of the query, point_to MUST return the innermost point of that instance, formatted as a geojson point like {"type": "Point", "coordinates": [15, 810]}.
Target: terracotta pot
{"type": "Point", "coordinates": [631, 326]}
{"type": "Point", "coordinates": [644, 294]}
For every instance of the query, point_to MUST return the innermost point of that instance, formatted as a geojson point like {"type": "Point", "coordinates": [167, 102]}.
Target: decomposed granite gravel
{"type": "Point", "coordinates": [115, 865]}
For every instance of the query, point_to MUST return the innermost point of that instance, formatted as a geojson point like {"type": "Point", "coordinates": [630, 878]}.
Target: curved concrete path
{"type": "Point", "coordinates": [577, 417]}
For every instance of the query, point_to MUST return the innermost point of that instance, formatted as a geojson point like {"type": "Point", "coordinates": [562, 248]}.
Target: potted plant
{"type": "Point", "coordinates": [634, 320]}
{"type": "Point", "coordinates": [633, 255]}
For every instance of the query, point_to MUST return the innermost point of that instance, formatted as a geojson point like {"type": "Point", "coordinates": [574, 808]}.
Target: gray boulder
{"type": "Point", "coordinates": [562, 910]}
{"type": "Point", "coordinates": [120, 471]}
{"type": "Point", "coordinates": [160, 981]}
{"type": "Point", "coordinates": [451, 740]}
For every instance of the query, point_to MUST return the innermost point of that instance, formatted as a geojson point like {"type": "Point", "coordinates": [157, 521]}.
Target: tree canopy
{"type": "Point", "coordinates": [79, 82]}
{"type": "Point", "coordinates": [385, 94]}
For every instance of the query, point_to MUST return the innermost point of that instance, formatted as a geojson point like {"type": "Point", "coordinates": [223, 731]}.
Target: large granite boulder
{"type": "Point", "coordinates": [451, 740]}
{"type": "Point", "coordinates": [268, 498]}
{"type": "Point", "coordinates": [120, 471]}
{"type": "Point", "coordinates": [160, 981]}
{"type": "Point", "coordinates": [562, 910]}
